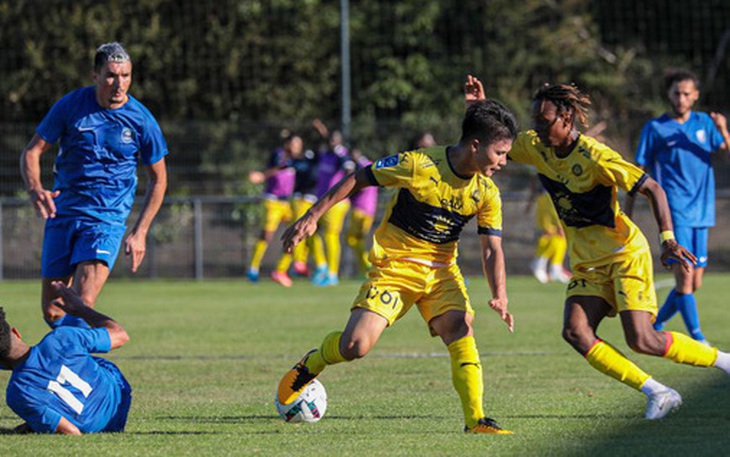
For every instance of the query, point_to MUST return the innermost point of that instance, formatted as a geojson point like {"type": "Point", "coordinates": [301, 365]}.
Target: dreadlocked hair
{"type": "Point", "coordinates": [568, 98]}
{"type": "Point", "coordinates": [4, 335]}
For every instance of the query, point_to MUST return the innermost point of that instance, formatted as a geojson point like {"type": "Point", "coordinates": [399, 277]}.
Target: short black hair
{"type": "Point", "coordinates": [677, 75]}
{"type": "Point", "coordinates": [5, 335]}
{"type": "Point", "coordinates": [488, 121]}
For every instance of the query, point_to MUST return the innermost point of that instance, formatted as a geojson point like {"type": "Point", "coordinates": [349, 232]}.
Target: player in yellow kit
{"type": "Point", "coordinates": [610, 258]}
{"type": "Point", "coordinates": [439, 189]}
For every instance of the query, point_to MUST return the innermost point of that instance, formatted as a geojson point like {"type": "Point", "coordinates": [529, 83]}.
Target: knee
{"type": "Point", "coordinates": [579, 338]}
{"type": "Point", "coordinates": [355, 348]}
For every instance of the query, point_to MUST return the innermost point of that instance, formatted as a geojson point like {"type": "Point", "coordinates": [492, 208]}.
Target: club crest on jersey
{"type": "Point", "coordinates": [701, 135]}
{"type": "Point", "coordinates": [127, 135]}
{"type": "Point", "coordinates": [577, 169]}
{"type": "Point", "coordinates": [386, 162]}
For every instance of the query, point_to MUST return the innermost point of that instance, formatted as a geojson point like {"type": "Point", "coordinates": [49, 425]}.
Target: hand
{"type": "Point", "coordinates": [300, 230]}
{"type": "Point", "coordinates": [673, 250]}
{"type": "Point", "coordinates": [473, 90]}
{"type": "Point", "coordinates": [23, 429]}
{"type": "Point", "coordinates": [135, 247]}
{"type": "Point", "coordinates": [68, 299]}
{"type": "Point", "coordinates": [720, 121]}
{"type": "Point", "coordinates": [500, 306]}
{"type": "Point", "coordinates": [42, 199]}
{"type": "Point", "coordinates": [256, 177]}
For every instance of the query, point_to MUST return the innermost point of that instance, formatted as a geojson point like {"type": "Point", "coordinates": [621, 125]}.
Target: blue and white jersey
{"type": "Point", "coordinates": [678, 157]}
{"type": "Point", "coordinates": [61, 378]}
{"type": "Point", "coordinates": [96, 166]}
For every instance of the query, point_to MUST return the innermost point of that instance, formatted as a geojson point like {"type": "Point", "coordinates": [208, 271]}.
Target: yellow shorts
{"type": "Point", "coordinates": [627, 285]}
{"type": "Point", "coordinates": [396, 285]}
{"type": "Point", "coordinates": [334, 219]}
{"type": "Point", "coordinates": [276, 211]}
{"type": "Point", "coordinates": [360, 224]}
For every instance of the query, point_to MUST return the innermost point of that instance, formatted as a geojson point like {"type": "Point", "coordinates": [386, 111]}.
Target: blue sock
{"type": "Point", "coordinates": [69, 321]}
{"type": "Point", "coordinates": [667, 311]}
{"type": "Point", "coordinates": [688, 307]}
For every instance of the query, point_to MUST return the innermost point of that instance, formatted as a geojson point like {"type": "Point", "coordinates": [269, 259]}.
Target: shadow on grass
{"type": "Point", "coordinates": [259, 417]}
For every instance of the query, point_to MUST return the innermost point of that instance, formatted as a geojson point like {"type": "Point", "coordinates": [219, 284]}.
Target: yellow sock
{"type": "Point", "coordinates": [328, 354]}
{"type": "Point", "coordinates": [683, 349]}
{"type": "Point", "coordinates": [317, 249]}
{"type": "Point", "coordinates": [301, 251]}
{"type": "Point", "coordinates": [258, 254]}
{"type": "Point", "coordinates": [557, 247]}
{"type": "Point", "coordinates": [333, 248]}
{"type": "Point", "coordinates": [466, 374]}
{"type": "Point", "coordinates": [284, 263]}
{"type": "Point", "coordinates": [609, 361]}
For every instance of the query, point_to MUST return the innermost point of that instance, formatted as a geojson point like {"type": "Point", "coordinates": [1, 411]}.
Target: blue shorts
{"type": "Point", "coordinates": [119, 419]}
{"type": "Point", "coordinates": [694, 239]}
{"type": "Point", "coordinates": [68, 242]}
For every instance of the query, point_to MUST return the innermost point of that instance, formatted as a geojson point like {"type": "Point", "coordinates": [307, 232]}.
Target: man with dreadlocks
{"type": "Point", "coordinates": [610, 257]}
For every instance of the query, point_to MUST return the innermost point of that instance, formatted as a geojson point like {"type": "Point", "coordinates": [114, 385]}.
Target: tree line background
{"type": "Point", "coordinates": [224, 77]}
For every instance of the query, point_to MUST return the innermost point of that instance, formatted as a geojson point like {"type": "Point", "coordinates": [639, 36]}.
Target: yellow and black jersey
{"type": "Point", "coordinates": [431, 206]}
{"type": "Point", "coordinates": [583, 187]}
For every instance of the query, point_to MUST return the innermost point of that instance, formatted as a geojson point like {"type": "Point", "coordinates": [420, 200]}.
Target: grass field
{"type": "Point", "coordinates": [205, 357]}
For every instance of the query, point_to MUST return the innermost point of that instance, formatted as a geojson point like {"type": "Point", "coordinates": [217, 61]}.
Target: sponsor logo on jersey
{"type": "Point", "coordinates": [386, 162]}
{"type": "Point", "coordinates": [127, 135]}
{"type": "Point", "coordinates": [701, 135]}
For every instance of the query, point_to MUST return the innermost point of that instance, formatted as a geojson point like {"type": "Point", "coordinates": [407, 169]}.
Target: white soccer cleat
{"type": "Point", "coordinates": [538, 271]}
{"type": "Point", "coordinates": [662, 403]}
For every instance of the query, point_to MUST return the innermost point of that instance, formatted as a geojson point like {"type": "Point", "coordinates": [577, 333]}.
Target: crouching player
{"type": "Point", "coordinates": [57, 386]}
{"type": "Point", "coordinates": [439, 189]}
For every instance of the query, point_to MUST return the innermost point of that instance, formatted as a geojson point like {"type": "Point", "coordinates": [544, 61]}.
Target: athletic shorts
{"type": "Point", "coordinates": [277, 211]}
{"type": "Point", "coordinates": [695, 240]}
{"type": "Point", "coordinates": [119, 419]}
{"type": "Point", "coordinates": [68, 242]}
{"type": "Point", "coordinates": [627, 285]}
{"type": "Point", "coordinates": [395, 285]}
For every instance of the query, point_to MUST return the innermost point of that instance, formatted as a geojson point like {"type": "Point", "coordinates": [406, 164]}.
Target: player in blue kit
{"type": "Point", "coordinates": [57, 386]}
{"type": "Point", "coordinates": [104, 133]}
{"type": "Point", "coordinates": [675, 148]}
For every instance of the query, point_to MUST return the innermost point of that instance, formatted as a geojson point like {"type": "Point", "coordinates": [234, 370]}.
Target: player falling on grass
{"type": "Point", "coordinates": [57, 386]}
{"type": "Point", "coordinates": [439, 189]}
{"type": "Point", "coordinates": [675, 148]}
{"type": "Point", "coordinates": [610, 257]}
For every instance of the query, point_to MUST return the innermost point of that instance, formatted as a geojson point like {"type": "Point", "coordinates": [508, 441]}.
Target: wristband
{"type": "Point", "coordinates": [666, 235]}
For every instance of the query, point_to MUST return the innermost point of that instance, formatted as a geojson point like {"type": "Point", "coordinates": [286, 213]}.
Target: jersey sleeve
{"type": "Point", "coordinates": [40, 418]}
{"type": "Point", "coordinates": [393, 171]}
{"type": "Point", "coordinates": [94, 341]}
{"type": "Point", "coordinates": [647, 146]}
{"type": "Point", "coordinates": [520, 151]}
{"type": "Point", "coordinates": [53, 125]}
{"type": "Point", "coordinates": [615, 171]}
{"type": "Point", "coordinates": [489, 218]}
{"type": "Point", "coordinates": [153, 147]}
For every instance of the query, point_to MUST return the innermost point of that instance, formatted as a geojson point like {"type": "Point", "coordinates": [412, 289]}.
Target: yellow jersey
{"type": "Point", "coordinates": [584, 186]}
{"type": "Point", "coordinates": [431, 206]}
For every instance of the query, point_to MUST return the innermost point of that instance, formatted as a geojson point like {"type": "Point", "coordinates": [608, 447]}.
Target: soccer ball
{"type": "Point", "coordinates": [309, 406]}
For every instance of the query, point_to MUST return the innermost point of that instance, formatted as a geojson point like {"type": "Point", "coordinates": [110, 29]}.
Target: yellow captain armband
{"type": "Point", "coordinates": [666, 235]}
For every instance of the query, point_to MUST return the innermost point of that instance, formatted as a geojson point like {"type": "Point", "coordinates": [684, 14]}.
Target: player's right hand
{"type": "Point", "coordinates": [302, 229]}
{"type": "Point", "coordinates": [673, 250]}
{"type": "Point", "coordinates": [473, 90]}
{"type": "Point", "coordinates": [499, 305]}
{"type": "Point", "coordinates": [42, 200]}
{"type": "Point", "coordinates": [70, 301]}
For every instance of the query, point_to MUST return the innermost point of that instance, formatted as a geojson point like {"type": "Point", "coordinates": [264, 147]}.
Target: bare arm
{"type": "Point", "coordinates": [135, 245]}
{"type": "Point", "coordinates": [660, 208]}
{"type": "Point", "coordinates": [65, 427]}
{"type": "Point", "coordinates": [721, 124]}
{"type": "Point", "coordinates": [307, 224]}
{"type": "Point", "coordinates": [30, 170]}
{"type": "Point", "coordinates": [495, 272]}
{"type": "Point", "coordinates": [75, 306]}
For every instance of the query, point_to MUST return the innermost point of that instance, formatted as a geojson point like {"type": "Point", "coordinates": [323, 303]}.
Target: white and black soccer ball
{"type": "Point", "coordinates": [309, 406]}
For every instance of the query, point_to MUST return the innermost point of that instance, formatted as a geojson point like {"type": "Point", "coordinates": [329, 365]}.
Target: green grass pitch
{"type": "Point", "coordinates": [205, 358]}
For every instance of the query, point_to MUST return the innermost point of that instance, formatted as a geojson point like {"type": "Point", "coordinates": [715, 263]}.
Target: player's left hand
{"type": "Point", "coordinates": [473, 90]}
{"type": "Point", "coordinates": [135, 247]}
{"type": "Point", "coordinates": [68, 299]}
{"type": "Point", "coordinates": [23, 429]}
{"type": "Point", "coordinates": [673, 250]}
{"type": "Point", "coordinates": [500, 306]}
{"type": "Point", "coordinates": [719, 120]}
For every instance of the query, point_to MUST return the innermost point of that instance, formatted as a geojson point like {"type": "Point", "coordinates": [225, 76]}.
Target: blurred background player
{"type": "Point", "coordinates": [58, 386]}
{"type": "Point", "coordinates": [610, 257]}
{"type": "Point", "coordinates": [423, 140]}
{"type": "Point", "coordinates": [551, 244]}
{"type": "Point", "coordinates": [104, 133]}
{"type": "Point", "coordinates": [304, 197]}
{"type": "Point", "coordinates": [279, 177]}
{"type": "Point", "coordinates": [333, 164]}
{"type": "Point", "coordinates": [362, 213]}
{"type": "Point", "coordinates": [438, 190]}
{"type": "Point", "coordinates": [675, 148]}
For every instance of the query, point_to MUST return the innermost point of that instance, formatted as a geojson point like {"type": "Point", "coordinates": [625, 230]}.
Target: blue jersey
{"type": "Point", "coordinates": [61, 378]}
{"type": "Point", "coordinates": [678, 157]}
{"type": "Point", "coordinates": [96, 166]}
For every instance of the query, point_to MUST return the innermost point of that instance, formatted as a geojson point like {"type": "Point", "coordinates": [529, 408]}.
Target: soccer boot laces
{"type": "Point", "coordinates": [487, 425]}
